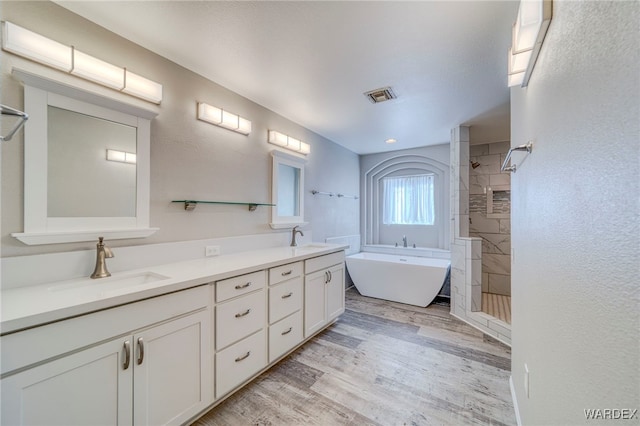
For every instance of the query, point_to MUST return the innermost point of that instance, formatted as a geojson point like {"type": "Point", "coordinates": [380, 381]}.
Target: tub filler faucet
{"type": "Point", "coordinates": [404, 241]}
{"type": "Point", "coordinates": [295, 231]}
{"type": "Point", "coordinates": [102, 253]}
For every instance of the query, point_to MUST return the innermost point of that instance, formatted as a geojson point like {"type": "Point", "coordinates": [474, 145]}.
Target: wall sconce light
{"type": "Point", "coordinates": [528, 32]}
{"type": "Point", "coordinates": [223, 118]}
{"type": "Point", "coordinates": [35, 47]}
{"type": "Point", "coordinates": [293, 144]}
{"type": "Point", "coordinates": [121, 156]}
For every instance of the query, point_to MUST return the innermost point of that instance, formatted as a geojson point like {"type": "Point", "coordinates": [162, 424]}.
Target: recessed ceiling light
{"type": "Point", "coordinates": [391, 140]}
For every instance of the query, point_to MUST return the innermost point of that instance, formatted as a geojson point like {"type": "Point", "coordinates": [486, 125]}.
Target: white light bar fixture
{"type": "Point", "coordinates": [280, 139]}
{"type": "Point", "coordinates": [35, 47]}
{"type": "Point", "coordinates": [121, 156]}
{"type": "Point", "coordinates": [527, 35]}
{"type": "Point", "coordinates": [222, 118]}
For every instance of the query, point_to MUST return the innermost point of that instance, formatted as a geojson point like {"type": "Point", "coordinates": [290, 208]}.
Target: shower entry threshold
{"type": "Point", "coordinates": [497, 305]}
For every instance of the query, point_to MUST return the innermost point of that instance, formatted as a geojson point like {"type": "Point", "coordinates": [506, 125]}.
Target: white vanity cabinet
{"type": "Point", "coordinates": [165, 359]}
{"type": "Point", "coordinates": [323, 291]}
{"type": "Point", "coordinates": [154, 369]}
{"type": "Point", "coordinates": [240, 317]}
{"type": "Point", "coordinates": [285, 308]}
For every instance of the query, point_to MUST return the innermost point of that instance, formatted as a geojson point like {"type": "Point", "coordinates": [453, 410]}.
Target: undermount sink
{"type": "Point", "coordinates": [309, 247]}
{"type": "Point", "coordinates": [112, 284]}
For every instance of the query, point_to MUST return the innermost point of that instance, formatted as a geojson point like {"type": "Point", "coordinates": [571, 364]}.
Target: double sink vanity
{"type": "Point", "coordinates": [151, 346]}
{"type": "Point", "coordinates": [161, 345]}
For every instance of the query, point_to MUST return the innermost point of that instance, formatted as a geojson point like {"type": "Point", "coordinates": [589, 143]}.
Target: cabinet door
{"type": "Point", "coordinates": [315, 308]}
{"type": "Point", "coordinates": [89, 387]}
{"type": "Point", "coordinates": [335, 292]}
{"type": "Point", "coordinates": [172, 370]}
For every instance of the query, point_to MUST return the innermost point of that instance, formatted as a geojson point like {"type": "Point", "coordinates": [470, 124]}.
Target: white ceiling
{"type": "Point", "coordinates": [311, 61]}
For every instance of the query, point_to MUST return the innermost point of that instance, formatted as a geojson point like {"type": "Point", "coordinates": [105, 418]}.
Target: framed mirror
{"type": "Point", "coordinates": [287, 191]}
{"type": "Point", "coordinates": [86, 171]}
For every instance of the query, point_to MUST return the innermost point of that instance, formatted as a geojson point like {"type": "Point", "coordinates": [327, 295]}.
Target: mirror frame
{"type": "Point", "coordinates": [39, 93]}
{"type": "Point", "coordinates": [281, 222]}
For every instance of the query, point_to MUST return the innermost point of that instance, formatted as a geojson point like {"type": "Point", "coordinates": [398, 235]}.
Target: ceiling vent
{"type": "Point", "coordinates": [380, 95]}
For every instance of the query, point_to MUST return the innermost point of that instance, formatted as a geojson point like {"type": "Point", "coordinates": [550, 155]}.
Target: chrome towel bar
{"type": "Point", "coordinates": [331, 194]}
{"type": "Point", "coordinates": [526, 147]}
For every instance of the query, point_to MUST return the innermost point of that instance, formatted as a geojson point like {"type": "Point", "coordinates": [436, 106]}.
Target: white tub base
{"type": "Point", "coordinates": [405, 279]}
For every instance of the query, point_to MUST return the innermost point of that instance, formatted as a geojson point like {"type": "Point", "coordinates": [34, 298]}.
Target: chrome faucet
{"type": "Point", "coordinates": [404, 241]}
{"type": "Point", "coordinates": [295, 231]}
{"type": "Point", "coordinates": [102, 253]}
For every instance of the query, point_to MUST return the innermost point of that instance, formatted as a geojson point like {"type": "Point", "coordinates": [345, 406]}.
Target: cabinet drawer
{"type": "Point", "coordinates": [237, 363]}
{"type": "Point", "coordinates": [236, 286]}
{"type": "Point", "coordinates": [322, 262]}
{"type": "Point", "coordinates": [285, 299]}
{"type": "Point", "coordinates": [285, 335]}
{"type": "Point", "coordinates": [285, 272]}
{"type": "Point", "coordinates": [240, 317]}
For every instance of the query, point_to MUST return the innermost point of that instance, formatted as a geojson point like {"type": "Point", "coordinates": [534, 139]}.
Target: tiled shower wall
{"type": "Point", "coordinates": [489, 214]}
{"type": "Point", "coordinates": [466, 251]}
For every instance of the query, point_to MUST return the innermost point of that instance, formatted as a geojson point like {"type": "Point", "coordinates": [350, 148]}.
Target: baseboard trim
{"type": "Point", "coordinates": [514, 398]}
{"type": "Point", "coordinates": [486, 330]}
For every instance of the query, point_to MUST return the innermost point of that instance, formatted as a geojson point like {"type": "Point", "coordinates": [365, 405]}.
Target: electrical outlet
{"type": "Point", "coordinates": [526, 380]}
{"type": "Point", "coordinates": [212, 251]}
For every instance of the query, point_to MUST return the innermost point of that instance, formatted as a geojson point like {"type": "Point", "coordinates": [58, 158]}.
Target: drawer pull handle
{"type": "Point", "coordinates": [241, 286]}
{"type": "Point", "coordinates": [286, 296]}
{"type": "Point", "coordinates": [140, 350]}
{"type": "Point", "coordinates": [243, 357]}
{"type": "Point", "coordinates": [284, 274]}
{"type": "Point", "coordinates": [287, 331]}
{"type": "Point", "coordinates": [243, 313]}
{"type": "Point", "coordinates": [127, 355]}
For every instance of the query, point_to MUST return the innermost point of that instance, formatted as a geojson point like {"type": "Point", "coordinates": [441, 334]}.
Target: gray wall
{"type": "Point", "coordinates": [575, 218]}
{"type": "Point", "coordinates": [190, 159]}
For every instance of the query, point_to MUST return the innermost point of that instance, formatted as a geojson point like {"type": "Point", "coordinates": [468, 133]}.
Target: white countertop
{"type": "Point", "coordinates": [31, 306]}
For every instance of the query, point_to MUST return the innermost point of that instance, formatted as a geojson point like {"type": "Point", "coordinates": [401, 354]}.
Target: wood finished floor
{"type": "Point", "coordinates": [497, 306]}
{"type": "Point", "coordinates": [381, 363]}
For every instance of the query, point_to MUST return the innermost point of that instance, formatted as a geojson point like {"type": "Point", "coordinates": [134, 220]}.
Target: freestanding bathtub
{"type": "Point", "coordinates": [405, 279]}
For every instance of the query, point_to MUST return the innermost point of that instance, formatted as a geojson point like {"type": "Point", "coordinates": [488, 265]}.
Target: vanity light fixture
{"type": "Point", "coordinates": [222, 118]}
{"type": "Point", "coordinates": [38, 48]}
{"type": "Point", "coordinates": [121, 156]}
{"type": "Point", "coordinates": [285, 141]}
{"type": "Point", "coordinates": [101, 72]}
{"type": "Point", "coordinates": [527, 34]}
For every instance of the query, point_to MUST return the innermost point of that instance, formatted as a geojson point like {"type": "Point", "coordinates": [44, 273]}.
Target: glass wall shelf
{"type": "Point", "coordinates": [191, 204]}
